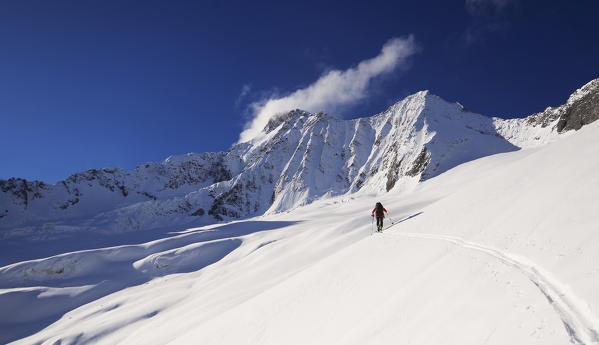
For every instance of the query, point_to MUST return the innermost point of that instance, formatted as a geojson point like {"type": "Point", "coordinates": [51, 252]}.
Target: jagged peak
{"type": "Point", "coordinates": [424, 99]}
{"type": "Point", "coordinates": [431, 98]}
{"type": "Point", "coordinates": [180, 158]}
{"type": "Point", "coordinates": [420, 95]}
{"type": "Point", "coordinates": [587, 88]}
{"type": "Point", "coordinates": [278, 119]}
{"type": "Point", "coordinates": [175, 159]}
{"type": "Point", "coordinates": [428, 98]}
{"type": "Point", "coordinates": [294, 115]}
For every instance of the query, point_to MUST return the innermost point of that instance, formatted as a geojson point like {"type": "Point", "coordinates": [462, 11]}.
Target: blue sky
{"type": "Point", "coordinates": [92, 84]}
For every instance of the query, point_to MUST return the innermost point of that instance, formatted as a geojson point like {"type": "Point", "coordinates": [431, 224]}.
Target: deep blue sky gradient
{"type": "Point", "coordinates": [92, 84]}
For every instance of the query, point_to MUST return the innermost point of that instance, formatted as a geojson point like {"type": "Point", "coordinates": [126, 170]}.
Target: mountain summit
{"type": "Point", "coordinates": [299, 157]}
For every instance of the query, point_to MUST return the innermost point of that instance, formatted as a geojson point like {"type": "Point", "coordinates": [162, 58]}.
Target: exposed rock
{"type": "Point", "coordinates": [285, 119]}
{"type": "Point", "coordinates": [199, 212]}
{"type": "Point", "coordinates": [148, 195]}
{"type": "Point", "coordinates": [23, 190]}
{"type": "Point", "coordinates": [228, 204]}
{"type": "Point", "coordinates": [69, 203]}
{"type": "Point", "coordinates": [393, 172]}
{"type": "Point", "coordinates": [583, 110]}
{"type": "Point", "coordinates": [420, 164]}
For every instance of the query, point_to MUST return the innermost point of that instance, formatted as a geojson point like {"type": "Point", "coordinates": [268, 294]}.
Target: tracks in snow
{"type": "Point", "coordinates": [581, 325]}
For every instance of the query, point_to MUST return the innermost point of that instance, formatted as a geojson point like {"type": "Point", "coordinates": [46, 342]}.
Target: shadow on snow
{"type": "Point", "coordinates": [64, 282]}
{"type": "Point", "coordinates": [404, 219]}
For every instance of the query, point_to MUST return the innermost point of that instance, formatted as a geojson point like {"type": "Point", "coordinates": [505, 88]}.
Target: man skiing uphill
{"type": "Point", "coordinates": [380, 215]}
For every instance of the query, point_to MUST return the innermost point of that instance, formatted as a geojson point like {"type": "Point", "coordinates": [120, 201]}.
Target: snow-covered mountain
{"type": "Point", "coordinates": [500, 250]}
{"type": "Point", "coordinates": [298, 158]}
{"type": "Point", "coordinates": [537, 129]}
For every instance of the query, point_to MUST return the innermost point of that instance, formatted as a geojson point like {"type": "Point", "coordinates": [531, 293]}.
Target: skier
{"type": "Point", "coordinates": [379, 209]}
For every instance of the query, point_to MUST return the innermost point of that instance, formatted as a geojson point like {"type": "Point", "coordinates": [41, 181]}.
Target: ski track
{"type": "Point", "coordinates": [578, 320]}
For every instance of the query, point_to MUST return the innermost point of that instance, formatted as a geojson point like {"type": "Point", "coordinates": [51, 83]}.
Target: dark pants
{"type": "Point", "coordinates": [379, 221]}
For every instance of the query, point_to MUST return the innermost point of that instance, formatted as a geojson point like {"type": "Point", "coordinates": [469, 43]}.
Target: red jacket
{"type": "Point", "coordinates": [374, 210]}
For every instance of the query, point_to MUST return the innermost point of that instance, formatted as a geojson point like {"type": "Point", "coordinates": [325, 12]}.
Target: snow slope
{"type": "Point", "coordinates": [500, 250]}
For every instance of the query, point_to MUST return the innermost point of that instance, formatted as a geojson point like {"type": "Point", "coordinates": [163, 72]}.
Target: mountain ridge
{"type": "Point", "coordinates": [299, 157]}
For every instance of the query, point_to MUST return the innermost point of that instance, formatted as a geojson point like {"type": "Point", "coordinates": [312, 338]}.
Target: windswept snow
{"type": "Point", "coordinates": [579, 323]}
{"type": "Point", "coordinates": [500, 250]}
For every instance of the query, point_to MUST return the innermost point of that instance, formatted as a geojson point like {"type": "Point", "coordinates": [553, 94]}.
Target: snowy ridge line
{"type": "Point", "coordinates": [579, 321]}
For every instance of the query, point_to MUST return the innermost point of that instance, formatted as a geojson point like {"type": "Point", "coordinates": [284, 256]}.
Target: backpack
{"type": "Point", "coordinates": [379, 210]}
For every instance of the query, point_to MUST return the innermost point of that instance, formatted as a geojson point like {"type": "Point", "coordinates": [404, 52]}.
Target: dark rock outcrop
{"type": "Point", "coordinates": [582, 111]}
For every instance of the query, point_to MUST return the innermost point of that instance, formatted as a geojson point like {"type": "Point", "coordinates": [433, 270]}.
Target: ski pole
{"type": "Point", "coordinates": [392, 221]}
{"type": "Point", "coordinates": [372, 227]}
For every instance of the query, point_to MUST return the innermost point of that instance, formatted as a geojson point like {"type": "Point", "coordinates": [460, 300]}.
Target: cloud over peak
{"type": "Point", "coordinates": [333, 89]}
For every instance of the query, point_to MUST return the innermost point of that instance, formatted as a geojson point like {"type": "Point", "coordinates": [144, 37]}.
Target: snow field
{"type": "Point", "coordinates": [501, 250]}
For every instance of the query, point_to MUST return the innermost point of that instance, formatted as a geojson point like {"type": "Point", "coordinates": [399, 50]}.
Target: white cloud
{"type": "Point", "coordinates": [334, 89]}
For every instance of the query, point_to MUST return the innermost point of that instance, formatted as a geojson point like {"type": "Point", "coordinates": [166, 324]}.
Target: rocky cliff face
{"type": "Point", "coordinates": [298, 158]}
{"type": "Point", "coordinates": [581, 109]}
